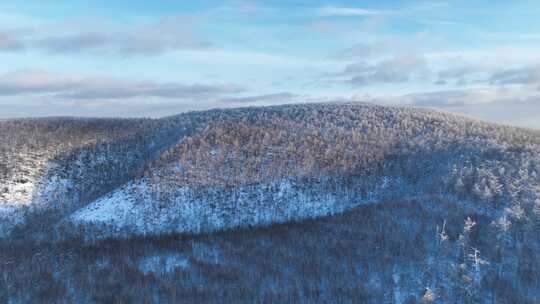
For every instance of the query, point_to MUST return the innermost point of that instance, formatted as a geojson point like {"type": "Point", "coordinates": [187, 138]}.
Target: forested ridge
{"type": "Point", "coordinates": [450, 201]}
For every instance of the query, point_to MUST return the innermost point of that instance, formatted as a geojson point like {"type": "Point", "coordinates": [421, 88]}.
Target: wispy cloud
{"type": "Point", "coordinates": [524, 76]}
{"type": "Point", "coordinates": [486, 96]}
{"type": "Point", "coordinates": [494, 76]}
{"type": "Point", "coordinates": [423, 14]}
{"type": "Point", "coordinates": [283, 97]}
{"type": "Point", "coordinates": [80, 88]}
{"type": "Point", "coordinates": [10, 42]}
{"type": "Point", "coordinates": [396, 70]}
{"type": "Point", "coordinates": [166, 35]}
{"type": "Point", "coordinates": [460, 75]}
{"type": "Point", "coordinates": [346, 11]}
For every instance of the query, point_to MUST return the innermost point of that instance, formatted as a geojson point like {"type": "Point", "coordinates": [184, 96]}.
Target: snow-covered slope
{"type": "Point", "coordinates": [19, 188]}
{"type": "Point", "coordinates": [262, 166]}
{"type": "Point", "coordinates": [133, 210]}
{"type": "Point", "coordinates": [44, 163]}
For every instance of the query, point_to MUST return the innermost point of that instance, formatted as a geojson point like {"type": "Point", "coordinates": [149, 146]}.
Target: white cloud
{"type": "Point", "coordinates": [346, 11]}
{"type": "Point", "coordinates": [399, 69]}
{"type": "Point", "coordinates": [529, 75]}
{"type": "Point", "coordinates": [284, 97]}
{"type": "Point", "coordinates": [486, 96]}
{"type": "Point", "coordinates": [163, 36]}
{"type": "Point", "coordinates": [31, 82]}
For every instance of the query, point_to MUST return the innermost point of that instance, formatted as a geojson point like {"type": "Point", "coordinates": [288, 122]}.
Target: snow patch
{"type": "Point", "coordinates": [206, 254]}
{"type": "Point", "coordinates": [113, 207]}
{"type": "Point", "coordinates": [139, 209]}
{"type": "Point", "coordinates": [163, 264]}
{"type": "Point", "coordinates": [133, 209]}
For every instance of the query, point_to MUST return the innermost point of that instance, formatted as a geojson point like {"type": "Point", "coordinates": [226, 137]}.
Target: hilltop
{"type": "Point", "coordinates": [206, 171]}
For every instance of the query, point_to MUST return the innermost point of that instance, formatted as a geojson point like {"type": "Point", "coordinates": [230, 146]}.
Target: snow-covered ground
{"type": "Point", "coordinates": [26, 189]}
{"type": "Point", "coordinates": [133, 209]}
{"type": "Point", "coordinates": [119, 208]}
{"type": "Point", "coordinates": [114, 207]}
{"type": "Point", "coordinates": [163, 264]}
{"type": "Point", "coordinates": [18, 189]}
{"type": "Point", "coordinates": [17, 193]}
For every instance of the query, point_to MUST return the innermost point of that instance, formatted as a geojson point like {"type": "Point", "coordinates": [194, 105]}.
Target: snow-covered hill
{"type": "Point", "coordinates": [207, 171]}
{"type": "Point", "coordinates": [326, 201]}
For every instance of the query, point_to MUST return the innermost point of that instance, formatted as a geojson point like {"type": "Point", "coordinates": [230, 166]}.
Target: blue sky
{"type": "Point", "coordinates": [156, 58]}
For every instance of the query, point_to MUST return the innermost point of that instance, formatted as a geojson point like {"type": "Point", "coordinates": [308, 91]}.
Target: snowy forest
{"type": "Point", "coordinates": [312, 203]}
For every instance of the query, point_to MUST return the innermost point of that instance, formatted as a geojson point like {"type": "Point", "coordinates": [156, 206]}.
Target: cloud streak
{"type": "Point", "coordinates": [399, 69]}
{"type": "Point", "coordinates": [77, 88]}
{"type": "Point", "coordinates": [267, 98]}
{"type": "Point", "coordinates": [166, 35]}
{"type": "Point", "coordinates": [9, 42]}
{"type": "Point", "coordinates": [467, 97]}
{"type": "Point", "coordinates": [329, 11]}
{"type": "Point", "coordinates": [524, 76]}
